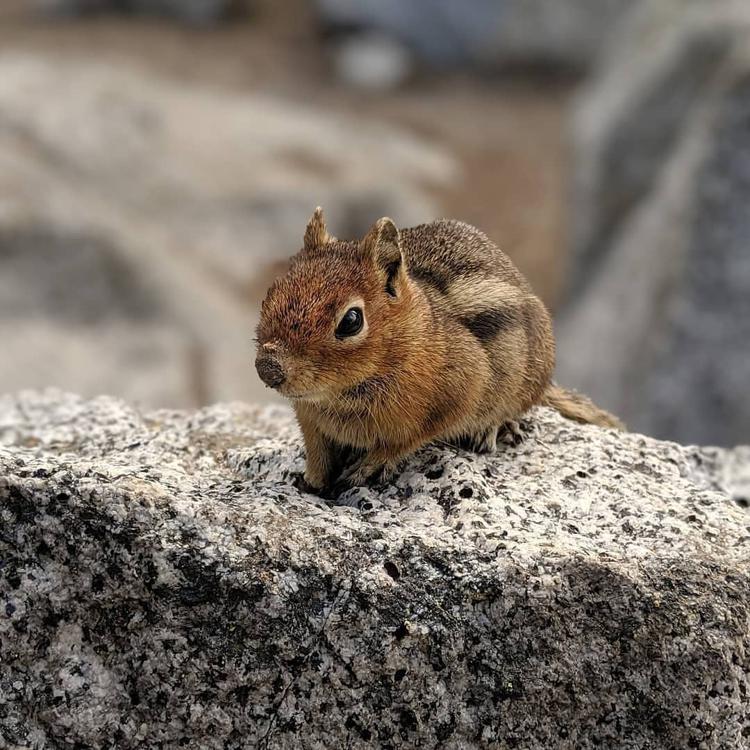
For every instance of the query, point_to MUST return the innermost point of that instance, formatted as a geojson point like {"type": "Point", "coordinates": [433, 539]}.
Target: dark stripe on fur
{"type": "Point", "coordinates": [431, 277]}
{"type": "Point", "coordinates": [488, 323]}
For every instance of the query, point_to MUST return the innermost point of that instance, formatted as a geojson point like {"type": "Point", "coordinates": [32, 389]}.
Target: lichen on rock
{"type": "Point", "coordinates": [163, 583]}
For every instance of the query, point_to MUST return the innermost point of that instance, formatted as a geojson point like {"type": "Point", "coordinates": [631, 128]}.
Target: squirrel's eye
{"type": "Point", "coordinates": [350, 324]}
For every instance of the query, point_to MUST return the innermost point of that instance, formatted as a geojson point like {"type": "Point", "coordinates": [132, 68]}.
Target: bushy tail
{"type": "Point", "coordinates": [579, 408]}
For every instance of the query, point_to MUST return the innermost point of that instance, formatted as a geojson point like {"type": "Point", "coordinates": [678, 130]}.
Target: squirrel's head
{"type": "Point", "coordinates": [333, 319]}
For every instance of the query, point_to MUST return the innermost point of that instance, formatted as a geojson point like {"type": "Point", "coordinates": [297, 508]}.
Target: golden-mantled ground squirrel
{"type": "Point", "coordinates": [402, 338]}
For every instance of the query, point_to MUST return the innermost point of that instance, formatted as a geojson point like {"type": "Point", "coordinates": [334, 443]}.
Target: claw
{"type": "Point", "coordinates": [354, 469]}
{"type": "Point", "coordinates": [513, 432]}
{"type": "Point", "coordinates": [303, 485]}
{"type": "Point", "coordinates": [364, 472]}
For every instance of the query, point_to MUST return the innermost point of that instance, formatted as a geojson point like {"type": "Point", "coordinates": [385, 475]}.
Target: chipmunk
{"type": "Point", "coordinates": [403, 338]}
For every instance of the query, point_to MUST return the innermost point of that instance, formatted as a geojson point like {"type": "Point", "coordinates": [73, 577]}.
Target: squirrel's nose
{"type": "Point", "coordinates": [270, 370]}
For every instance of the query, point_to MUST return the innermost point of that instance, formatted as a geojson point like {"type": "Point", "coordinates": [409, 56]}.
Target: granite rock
{"type": "Point", "coordinates": [164, 584]}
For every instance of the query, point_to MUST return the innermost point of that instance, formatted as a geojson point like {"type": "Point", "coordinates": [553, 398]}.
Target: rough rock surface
{"type": "Point", "coordinates": [659, 326]}
{"type": "Point", "coordinates": [195, 197]}
{"type": "Point", "coordinates": [163, 584]}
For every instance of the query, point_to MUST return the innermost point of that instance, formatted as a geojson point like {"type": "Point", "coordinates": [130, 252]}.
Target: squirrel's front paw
{"type": "Point", "coordinates": [359, 473]}
{"type": "Point", "coordinates": [303, 484]}
{"type": "Point", "coordinates": [365, 471]}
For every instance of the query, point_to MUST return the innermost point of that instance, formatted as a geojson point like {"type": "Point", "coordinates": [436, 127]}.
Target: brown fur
{"type": "Point", "coordinates": [455, 346]}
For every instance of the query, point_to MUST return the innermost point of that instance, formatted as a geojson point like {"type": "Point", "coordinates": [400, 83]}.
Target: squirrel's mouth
{"type": "Point", "coordinates": [309, 396]}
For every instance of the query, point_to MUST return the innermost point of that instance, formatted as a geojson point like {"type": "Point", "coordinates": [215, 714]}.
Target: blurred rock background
{"type": "Point", "coordinates": [159, 160]}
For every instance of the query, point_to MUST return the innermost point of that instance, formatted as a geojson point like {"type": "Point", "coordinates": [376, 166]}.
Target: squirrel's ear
{"type": "Point", "coordinates": [383, 244]}
{"type": "Point", "coordinates": [316, 233]}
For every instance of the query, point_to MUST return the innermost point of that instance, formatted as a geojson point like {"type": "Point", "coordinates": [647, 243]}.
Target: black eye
{"type": "Point", "coordinates": [350, 324]}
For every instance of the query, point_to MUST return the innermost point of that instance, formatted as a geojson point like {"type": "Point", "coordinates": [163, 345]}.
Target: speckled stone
{"type": "Point", "coordinates": [164, 584]}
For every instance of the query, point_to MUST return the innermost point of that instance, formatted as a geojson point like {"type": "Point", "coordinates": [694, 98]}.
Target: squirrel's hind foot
{"type": "Point", "coordinates": [514, 432]}
{"type": "Point", "coordinates": [484, 441]}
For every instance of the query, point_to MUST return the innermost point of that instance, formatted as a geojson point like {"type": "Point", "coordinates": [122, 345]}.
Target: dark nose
{"type": "Point", "coordinates": [270, 370]}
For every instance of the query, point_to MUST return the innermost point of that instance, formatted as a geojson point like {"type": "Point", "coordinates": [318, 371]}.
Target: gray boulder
{"type": "Point", "coordinates": [141, 220]}
{"type": "Point", "coordinates": [164, 583]}
{"type": "Point", "coordinates": [659, 324]}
